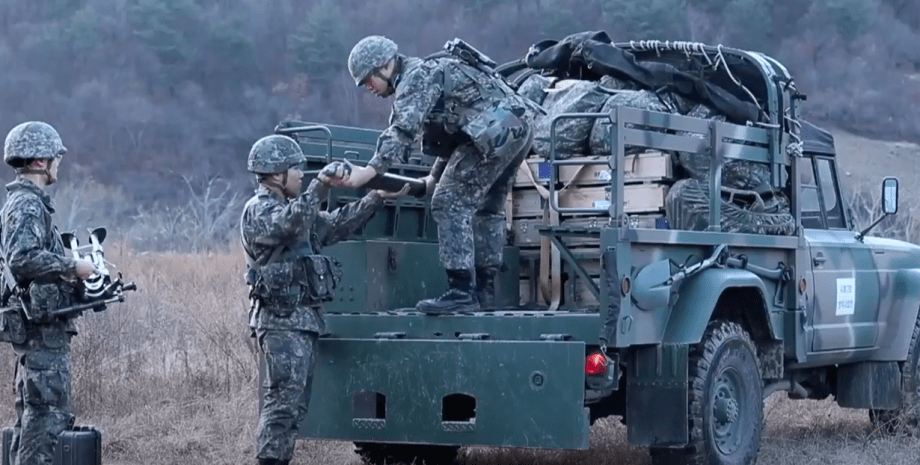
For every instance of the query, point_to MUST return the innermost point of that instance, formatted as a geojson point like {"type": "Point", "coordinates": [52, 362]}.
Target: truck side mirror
{"type": "Point", "coordinates": [889, 204]}
{"type": "Point", "coordinates": [890, 196]}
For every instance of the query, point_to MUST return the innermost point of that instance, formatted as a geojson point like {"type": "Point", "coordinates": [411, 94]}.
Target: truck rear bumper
{"type": "Point", "coordinates": [492, 393]}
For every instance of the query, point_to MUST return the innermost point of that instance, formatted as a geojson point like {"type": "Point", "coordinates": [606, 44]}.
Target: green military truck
{"type": "Point", "coordinates": [692, 329]}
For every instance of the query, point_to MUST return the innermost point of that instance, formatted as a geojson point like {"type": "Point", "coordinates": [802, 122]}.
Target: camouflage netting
{"type": "Point", "coordinates": [572, 96]}
{"type": "Point", "coordinates": [687, 208]}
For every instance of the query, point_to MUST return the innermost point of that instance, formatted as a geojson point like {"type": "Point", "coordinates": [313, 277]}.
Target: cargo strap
{"type": "Point", "coordinates": [550, 280]}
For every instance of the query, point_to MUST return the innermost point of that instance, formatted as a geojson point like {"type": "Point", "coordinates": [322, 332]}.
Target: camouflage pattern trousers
{"type": "Point", "coordinates": [469, 201]}
{"type": "Point", "coordinates": [288, 357]}
{"type": "Point", "coordinates": [43, 398]}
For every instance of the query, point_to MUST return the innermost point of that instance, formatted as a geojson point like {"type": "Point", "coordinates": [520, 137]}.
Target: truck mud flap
{"type": "Point", "coordinates": [473, 392]}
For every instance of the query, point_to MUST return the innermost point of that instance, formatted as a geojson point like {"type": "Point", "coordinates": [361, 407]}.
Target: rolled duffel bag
{"type": "Point", "coordinates": [570, 96]}
{"type": "Point", "coordinates": [599, 142]}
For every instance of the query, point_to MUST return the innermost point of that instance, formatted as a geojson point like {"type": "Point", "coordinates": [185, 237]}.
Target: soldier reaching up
{"type": "Point", "coordinates": [283, 233]}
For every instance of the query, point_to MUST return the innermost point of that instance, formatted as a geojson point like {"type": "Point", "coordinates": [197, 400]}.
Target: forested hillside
{"type": "Point", "coordinates": [144, 91]}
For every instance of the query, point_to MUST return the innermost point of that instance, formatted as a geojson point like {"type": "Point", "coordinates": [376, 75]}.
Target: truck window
{"type": "Point", "coordinates": [811, 206]}
{"type": "Point", "coordinates": [830, 194]}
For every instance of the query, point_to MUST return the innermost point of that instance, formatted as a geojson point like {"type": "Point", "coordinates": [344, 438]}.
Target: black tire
{"type": "Point", "coordinates": [408, 454]}
{"type": "Point", "coordinates": [725, 400]}
{"type": "Point", "coordinates": [907, 417]}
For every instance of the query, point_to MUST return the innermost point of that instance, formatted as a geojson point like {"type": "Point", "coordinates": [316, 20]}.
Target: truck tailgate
{"type": "Point", "coordinates": [453, 392]}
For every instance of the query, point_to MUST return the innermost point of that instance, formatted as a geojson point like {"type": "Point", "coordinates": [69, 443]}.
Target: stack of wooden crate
{"type": "Point", "coordinates": [648, 176]}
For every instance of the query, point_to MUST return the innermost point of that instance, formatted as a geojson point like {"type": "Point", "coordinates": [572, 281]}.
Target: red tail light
{"type": "Point", "coordinates": [595, 364]}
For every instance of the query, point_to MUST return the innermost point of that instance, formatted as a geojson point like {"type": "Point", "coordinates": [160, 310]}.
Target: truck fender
{"type": "Point", "coordinates": [698, 298]}
{"type": "Point", "coordinates": [895, 341]}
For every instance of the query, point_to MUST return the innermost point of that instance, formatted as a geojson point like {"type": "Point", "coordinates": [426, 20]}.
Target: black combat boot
{"type": "Point", "coordinates": [273, 462]}
{"type": "Point", "coordinates": [458, 298]}
{"type": "Point", "coordinates": [485, 287]}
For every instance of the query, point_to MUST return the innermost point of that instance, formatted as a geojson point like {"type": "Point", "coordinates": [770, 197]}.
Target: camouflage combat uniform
{"type": "Point", "coordinates": [282, 239]}
{"type": "Point", "coordinates": [34, 253]}
{"type": "Point", "coordinates": [491, 126]}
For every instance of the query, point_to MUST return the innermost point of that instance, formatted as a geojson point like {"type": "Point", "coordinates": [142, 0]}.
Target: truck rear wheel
{"type": "Point", "coordinates": [907, 416]}
{"type": "Point", "coordinates": [408, 454]}
{"type": "Point", "coordinates": [725, 400]}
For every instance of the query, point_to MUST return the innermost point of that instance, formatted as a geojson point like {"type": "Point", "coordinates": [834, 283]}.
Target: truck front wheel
{"type": "Point", "coordinates": [725, 401]}
{"type": "Point", "coordinates": [907, 416]}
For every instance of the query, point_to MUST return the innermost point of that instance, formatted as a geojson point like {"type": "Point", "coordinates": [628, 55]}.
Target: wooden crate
{"type": "Point", "coordinates": [581, 296]}
{"type": "Point", "coordinates": [585, 222]}
{"type": "Point", "coordinates": [585, 175]}
{"type": "Point", "coordinates": [526, 203]}
{"type": "Point", "coordinates": [591, 264]}
{"type": "Point", "coordinates": [648, 166]}
{"type": "Point", "coordinates": [648, 221]}
{"type": "Point", "coordinates": [639, 198]}
{"type": "Point", "coordinates": [522, 180]}
{"type": "Point", "coordinates": [525, 232]}
{"type": "Point", "coordinates": [524, 294]}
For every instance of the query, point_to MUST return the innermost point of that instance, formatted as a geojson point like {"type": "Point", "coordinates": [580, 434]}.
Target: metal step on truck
{"type": "Point", "coordinates": [609, 306]}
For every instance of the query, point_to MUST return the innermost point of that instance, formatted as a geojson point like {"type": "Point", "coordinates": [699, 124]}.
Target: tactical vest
{"type": "Point", "coordinates": [292, 275]}
{"type": "Point", "coordinates": [444, 129]}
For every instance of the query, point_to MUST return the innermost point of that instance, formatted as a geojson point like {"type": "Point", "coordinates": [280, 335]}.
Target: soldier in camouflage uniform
{"type": "Point", "coordinates": [288, 278]}
{"type": "Point", "coordinates": [479, 129]}
{"type": "Point", "coordinates": [38, 272]}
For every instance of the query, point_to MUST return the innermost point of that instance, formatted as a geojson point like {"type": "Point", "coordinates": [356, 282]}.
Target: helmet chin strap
{"type": "Point", "coordinates": [270, 182]}
{"type": "Point", "coordinates": [397, 68]}
{"type": "Point", "coordinates": [45, 171]}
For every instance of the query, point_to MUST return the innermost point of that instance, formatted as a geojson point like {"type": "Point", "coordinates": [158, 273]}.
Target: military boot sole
{"type": "Point", "coordinates": [438, 309]}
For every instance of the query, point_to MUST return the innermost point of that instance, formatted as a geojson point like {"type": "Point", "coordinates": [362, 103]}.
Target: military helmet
{"type": "Point", "coordinates": [32, 140]}
{"type": "Point", "coordinates": [368, 54]}
{"type": "Point", "coordinates": [274, 154]}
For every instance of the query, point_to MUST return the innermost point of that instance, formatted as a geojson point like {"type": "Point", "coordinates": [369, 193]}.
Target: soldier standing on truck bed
{"type": "Point", "coordinates": [283, 232]}
{"type": "Point", "coordinates": [37, 279]}
{"type": "Point", "coordinates": [479, 129]}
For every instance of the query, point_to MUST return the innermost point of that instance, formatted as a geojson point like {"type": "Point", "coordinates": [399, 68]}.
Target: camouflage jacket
{"type": "Point", "coordinates": [270, 222]}
{"type": "Point", "coordinates": [32, 248]}
{"type": "Point", "coordinates": [440, 94]}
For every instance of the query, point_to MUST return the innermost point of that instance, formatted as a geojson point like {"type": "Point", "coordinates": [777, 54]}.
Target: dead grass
{"type": "Point", "coordinates": [169, 377]}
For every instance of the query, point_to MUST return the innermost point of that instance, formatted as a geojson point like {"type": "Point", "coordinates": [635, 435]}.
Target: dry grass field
{"type": "Point", "coordinates": [169, 377]}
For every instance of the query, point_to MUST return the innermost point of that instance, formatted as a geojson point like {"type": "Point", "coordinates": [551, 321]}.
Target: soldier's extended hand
{"type": "Point", "coordinates": [85, 269]}
{"type": "Point", "coordinates": [394, 195]}
{"type": "Point", "coordinates": [358, 175]}
{"type": "Point", "coordinates": [429, 185]}
{"type": "Point", "coordinates": [334, 173]}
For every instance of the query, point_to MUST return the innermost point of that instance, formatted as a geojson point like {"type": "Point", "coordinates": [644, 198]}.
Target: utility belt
{"type": "Point", "coordinates": [304, 280]}
{"type": "Point", "coordinates": [13, 326]}
{"type": "Point", "coordinates": [31, 317]}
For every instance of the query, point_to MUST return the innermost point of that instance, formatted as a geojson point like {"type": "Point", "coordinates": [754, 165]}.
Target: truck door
{"type": "Point", "coordinates": [843, 310]}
